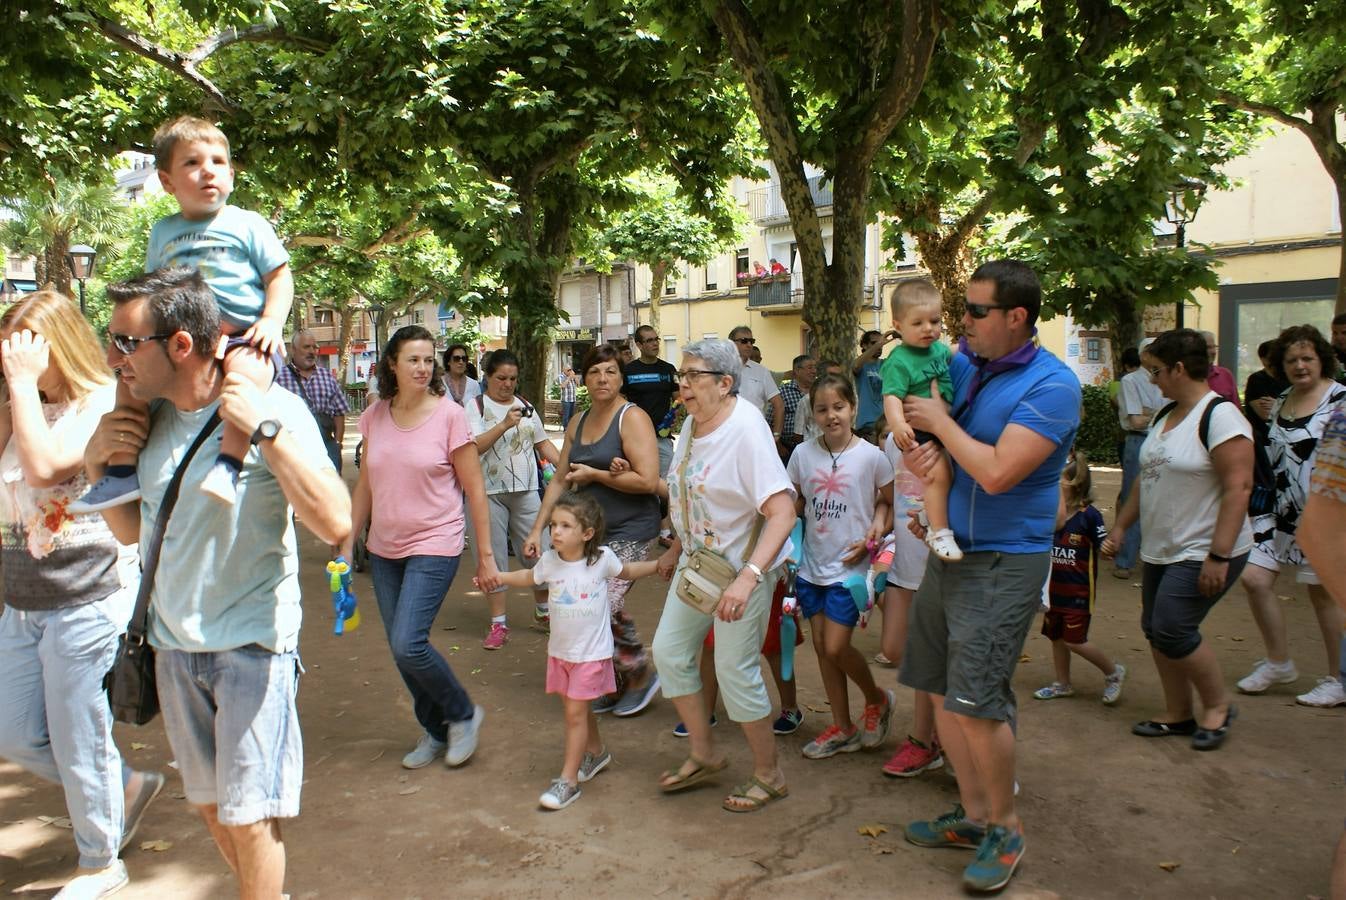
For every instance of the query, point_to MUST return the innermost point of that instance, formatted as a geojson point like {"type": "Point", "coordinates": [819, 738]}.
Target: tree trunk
{"type": "Point", "coordinates": [950, 264]}
{"type": "Point", "coordinates": [344, 338]}
{"type": "Point", "coordinates": [534, 279]}
{"type": "Point", "coordinates": [1339, 178]}
{"type": "Point", "coordinates": [658, 277]}
{"type": "Point", "coordinates": [1124, 328]}
{"type": "Point", "coordinates": [57, 268]}
{"type": "Point", "coordinates": [832, 311]}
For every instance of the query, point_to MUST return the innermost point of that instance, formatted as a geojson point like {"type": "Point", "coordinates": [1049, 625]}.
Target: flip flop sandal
{"type": "Point", "coordinates": [747, 802]}
{"type": "Point", "coordinates": [681, 782]}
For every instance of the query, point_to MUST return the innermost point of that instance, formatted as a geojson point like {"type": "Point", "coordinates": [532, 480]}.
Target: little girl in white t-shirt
{"type": "Point", "coordinates": [579, 653]}
{"type": "Point", "coordinates": [845, 489]}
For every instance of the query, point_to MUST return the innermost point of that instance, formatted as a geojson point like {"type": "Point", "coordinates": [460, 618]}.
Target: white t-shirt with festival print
{"type": "Point", "coordinates": [581, 628]}
{"type": "Point", "coordinates": [728, 475]}
{"type": "Point", "coordinates": [839, 496]}
{"type": "Point", "coordinates": [510, 464]}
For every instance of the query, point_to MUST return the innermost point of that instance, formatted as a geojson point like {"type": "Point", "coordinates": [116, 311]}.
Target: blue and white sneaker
{"type": "Point", "coordinates": [107, 492]}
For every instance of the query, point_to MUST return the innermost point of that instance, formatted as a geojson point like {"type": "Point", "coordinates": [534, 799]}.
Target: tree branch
{"type": "Point", "coordinates": [255, 34]}
{"type": "Point", "coordinates": [1031, 136]}
{"type": "Point", "coordinates": [315, 240]}
{"type": "Point", "coordinates": [920, 29]}
{"type": "Point", "coordinates": [776, 115]}
{"type": "Point", "coordinates": [1266, 109]}
{"type": "Point", "coordinates": [177, 63]}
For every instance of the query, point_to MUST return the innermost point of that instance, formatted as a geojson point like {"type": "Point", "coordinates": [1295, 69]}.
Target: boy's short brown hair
{"type": "Point", "coordinates": [915, 292]}
{"type": "Point", "coordinates": [184, 128]}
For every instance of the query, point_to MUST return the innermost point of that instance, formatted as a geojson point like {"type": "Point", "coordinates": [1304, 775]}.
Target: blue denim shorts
{"type": "Point", "coordinates": [832, 600]}
{"type": "Point", "coordinates": [231, 720]}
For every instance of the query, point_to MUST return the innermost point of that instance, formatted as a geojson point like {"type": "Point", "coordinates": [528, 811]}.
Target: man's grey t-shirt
{"type": "Point", "coordinates": [228, 574]}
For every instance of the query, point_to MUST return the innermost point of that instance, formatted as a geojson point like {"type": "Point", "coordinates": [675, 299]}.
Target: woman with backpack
{"type": "Point", "coordinates": [510, 438]}
{"type": "Point", "coordinates": [1196, 469]}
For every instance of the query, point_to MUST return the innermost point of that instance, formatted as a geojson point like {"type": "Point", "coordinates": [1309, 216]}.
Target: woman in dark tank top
{"type": "Point", "coordinates": [613, 430]}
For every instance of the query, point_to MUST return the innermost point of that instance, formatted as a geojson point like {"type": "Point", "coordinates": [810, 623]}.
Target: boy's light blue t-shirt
{"type": "Point", "coordinates": [1042, 396]}
{"type": "Point", "coordinates": [228, 575]}
{"type": "Point", "coordinates": [232, 250]}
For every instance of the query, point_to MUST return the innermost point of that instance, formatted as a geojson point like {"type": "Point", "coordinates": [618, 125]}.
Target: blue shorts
{"type": "Point", "coordinates": [231, 720]}
{"type": "Point", "coordinates": [832, 600]}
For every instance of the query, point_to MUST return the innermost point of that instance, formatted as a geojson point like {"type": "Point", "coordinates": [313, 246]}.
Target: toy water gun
{"type": "Point", "coordinates": [866, 588]}
{"type": "Point", "coordinates": [343, 598]}
{"type": "Point", "coordinates": [789, 628]}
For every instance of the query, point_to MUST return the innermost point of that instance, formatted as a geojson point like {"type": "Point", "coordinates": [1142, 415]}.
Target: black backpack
{"type": "Point", "coordinates": [1203, 428]}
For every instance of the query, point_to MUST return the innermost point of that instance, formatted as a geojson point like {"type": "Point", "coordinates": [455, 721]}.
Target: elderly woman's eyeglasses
{"type": "Point", "coordinates": [686, 375]}
{"type": "Point", "coordinates": [126, 344]}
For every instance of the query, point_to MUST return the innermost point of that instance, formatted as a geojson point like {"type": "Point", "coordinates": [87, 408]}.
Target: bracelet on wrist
{"type": "Point", "coordinates": [1212, 555]}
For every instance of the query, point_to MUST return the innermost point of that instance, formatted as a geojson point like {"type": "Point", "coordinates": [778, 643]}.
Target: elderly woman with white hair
{"type": "Point", "coordinates": [728, 496]}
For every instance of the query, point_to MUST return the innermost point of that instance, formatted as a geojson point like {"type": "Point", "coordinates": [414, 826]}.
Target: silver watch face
{"type": "Point", "coordinates": [268, 429]}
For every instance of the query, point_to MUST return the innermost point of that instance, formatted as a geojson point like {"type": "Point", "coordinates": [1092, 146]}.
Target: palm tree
{"type": "Point", "coordinates": [43, 223]}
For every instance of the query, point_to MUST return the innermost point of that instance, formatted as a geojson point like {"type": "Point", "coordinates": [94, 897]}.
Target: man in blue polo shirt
{"type": "Point", "coordinates": [1015, 414]}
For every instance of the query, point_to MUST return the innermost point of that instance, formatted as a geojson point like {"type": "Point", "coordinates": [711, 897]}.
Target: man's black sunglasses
{"type": "Point", "coordinates": [126, 344]}
{"type": "Point", "coordinates": [982, 310]}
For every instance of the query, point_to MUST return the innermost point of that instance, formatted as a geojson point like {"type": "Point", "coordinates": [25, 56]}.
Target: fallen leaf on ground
{"type": "Point", "coordinates": [871, 830]}
{"type": "Point", "coordinates": [1169, 866]}
{"type": "Point", "coordinates": [156, 846]}
{"type": "Point", "coordinates": [1236, 639]}
{"type": "Point", "coordinates": [879, 849]}
{"type": "Point", "coordinates": [811, 708]}
{"type": "Point", "coordinates": [475, 671]}
{"type": "Point", "coordinates": [56, 821]}
{"type": "Point", "coordinates": [407, 791]}
{"type": "Point", "coordinates": [136, 745]}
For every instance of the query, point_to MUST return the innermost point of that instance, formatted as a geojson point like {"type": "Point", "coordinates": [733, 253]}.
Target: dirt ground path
{"type": "Point", "coordinates": [1107, 814]}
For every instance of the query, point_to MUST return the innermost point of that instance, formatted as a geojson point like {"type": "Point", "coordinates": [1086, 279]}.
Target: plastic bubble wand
{"type": "Point", "coordinates": [790, 604]}
{"type": "Point", "coordinates": [343, 598]}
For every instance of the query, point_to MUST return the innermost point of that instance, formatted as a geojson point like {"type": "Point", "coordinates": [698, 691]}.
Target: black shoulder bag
{"type": "Point", "coordinates": [130, 684]}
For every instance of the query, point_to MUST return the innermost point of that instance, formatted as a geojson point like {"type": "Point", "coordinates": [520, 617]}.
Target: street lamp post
{"type": "Point", "coordinates": [375, 319]}
{"type": "Point", "coordinates": [81, 258]}
{"type": "Point", "coordinates": [1184, 198]}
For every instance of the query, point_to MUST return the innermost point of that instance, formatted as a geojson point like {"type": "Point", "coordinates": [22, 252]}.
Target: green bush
{"type": "Point", "coordinates": [1099, 431]}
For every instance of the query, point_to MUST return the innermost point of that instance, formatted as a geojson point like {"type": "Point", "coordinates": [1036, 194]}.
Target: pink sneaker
{"type": "Point", "coordinates": [497, 637]}
{"type": "Point", "coordinates": [912, 759]}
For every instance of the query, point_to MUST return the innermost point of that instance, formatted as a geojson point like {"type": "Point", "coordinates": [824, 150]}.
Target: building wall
{"type": "Point", "coordinates": [1276, 237]}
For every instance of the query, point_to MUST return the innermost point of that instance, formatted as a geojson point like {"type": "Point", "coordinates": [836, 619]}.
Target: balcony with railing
{"type": "Point", "coordinates": [781, 292]}
{"type": "Point", "coordinates": [767, 206]}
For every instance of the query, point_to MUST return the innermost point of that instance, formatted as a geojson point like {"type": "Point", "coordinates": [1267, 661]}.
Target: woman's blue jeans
{"type": "Point", "coordinates": [410, 592]}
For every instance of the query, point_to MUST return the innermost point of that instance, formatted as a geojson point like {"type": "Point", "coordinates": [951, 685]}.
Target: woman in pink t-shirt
{"type": "Point", "coordinates": [420, 463]}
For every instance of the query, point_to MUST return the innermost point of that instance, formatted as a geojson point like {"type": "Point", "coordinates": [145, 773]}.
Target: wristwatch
{"type": "Point", "coordinates": [267, 429]}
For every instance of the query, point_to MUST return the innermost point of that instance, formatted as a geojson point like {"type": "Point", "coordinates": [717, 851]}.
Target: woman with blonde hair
{"type": "Point", "coordinates": [68, 585]}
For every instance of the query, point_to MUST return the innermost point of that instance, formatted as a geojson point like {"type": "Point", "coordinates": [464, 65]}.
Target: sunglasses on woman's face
{"type": "Point", "coordinates": [457, 359]}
